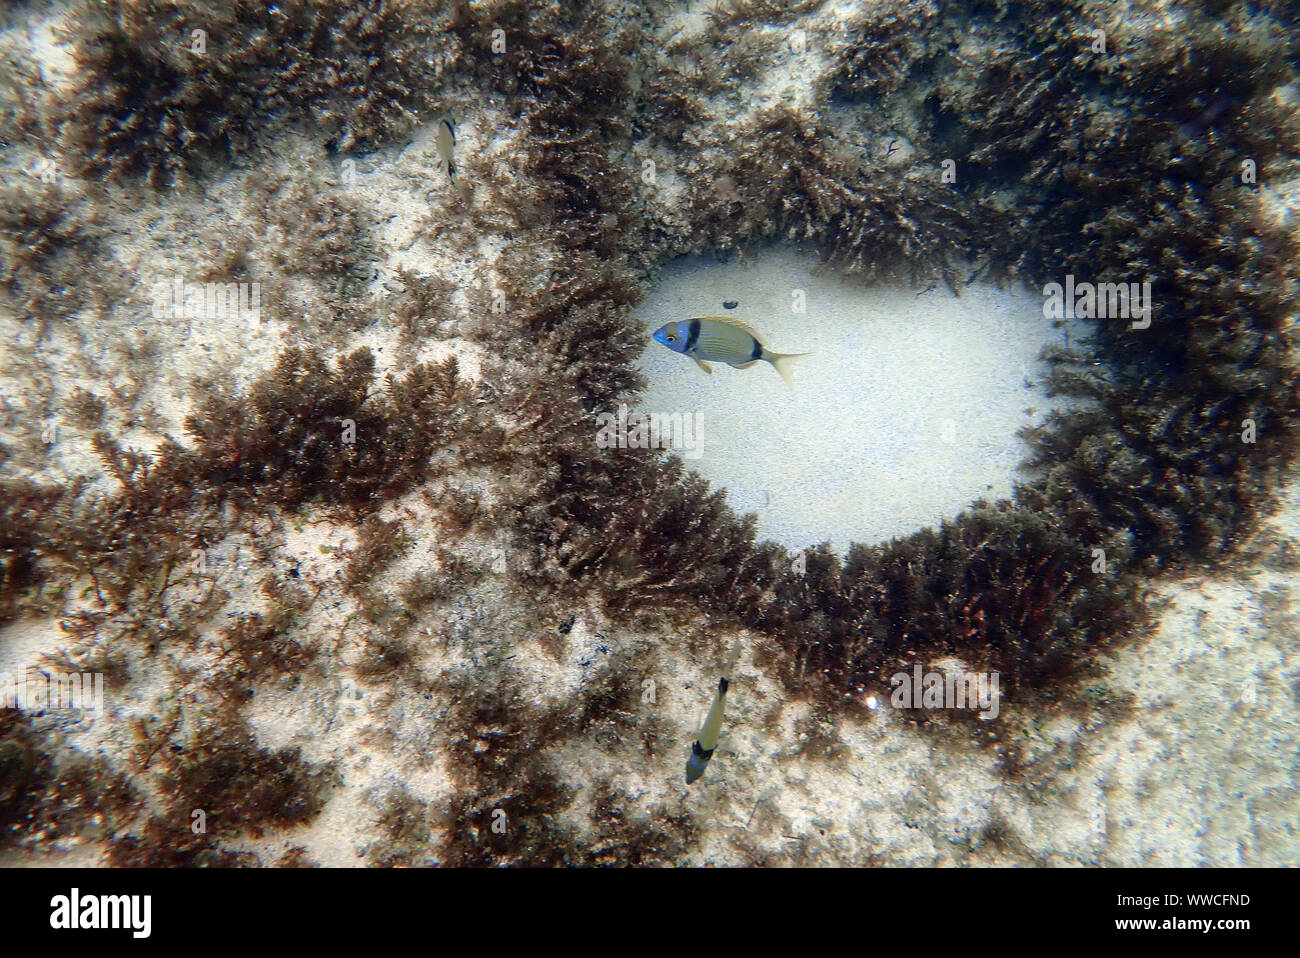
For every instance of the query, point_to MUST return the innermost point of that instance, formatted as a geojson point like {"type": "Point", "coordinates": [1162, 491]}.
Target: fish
{"type": "Point", "coordinates": [722, 339]}
{"type": "Point", "coordinates": [707, 738]}
{"type": "Point", "coordinates": [446, 139]}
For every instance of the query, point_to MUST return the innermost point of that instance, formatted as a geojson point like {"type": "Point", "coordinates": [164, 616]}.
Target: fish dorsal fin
{"type": "Point", "coordinates": [732, 321]}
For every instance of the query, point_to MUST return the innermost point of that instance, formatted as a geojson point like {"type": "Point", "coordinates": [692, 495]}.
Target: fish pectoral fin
{"type": "Point", "coordinates": [705, 366]}
{"type": "Point", "coordinates": [742, 365]}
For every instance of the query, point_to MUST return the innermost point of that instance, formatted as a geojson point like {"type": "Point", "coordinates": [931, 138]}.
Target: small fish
{"type": "Point", "coordinates": [722, 339]}
{"type": "Point", "coordinates": [703, 746]}
{"type": "Point", "coordinates": [445, 141]}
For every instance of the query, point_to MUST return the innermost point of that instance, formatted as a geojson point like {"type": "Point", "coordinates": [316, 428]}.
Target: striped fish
{"type": "Point", "coordinates": [446, 139]}
{"type": "Point", "coordinates": [721, 339]}
{"type": "Point", "coordinates": [711, 728]}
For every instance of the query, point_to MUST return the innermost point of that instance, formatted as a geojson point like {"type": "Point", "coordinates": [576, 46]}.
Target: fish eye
{"type": "Point", "coordinates": [670, 337]}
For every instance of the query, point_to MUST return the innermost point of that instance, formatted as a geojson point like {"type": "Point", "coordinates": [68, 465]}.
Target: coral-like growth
{"type": "Point", "coordinates": [47, 237]}
{"type": "Point", "coordinates": [238, 787]}
{"type": "Point", "coordinates": [888, 44]}
{"type": "Point", "coordinates": [49, 795]}
{"type": "Point", "coordinates": [23, 506]}
{"type": "Point", "coordinates": [168, 81]}
{"type": "Point", "coordinates": [999, 588]}
{"type": "Point", "coordinates": [310, 233]}
{"type": "Point", "coordinates": [786, 178]}
{"type": "Point", "coordinates": [310, 429]}
{"type": "Point", "coordinates": [506, 775]}
{"type": "Point", "coordinates": [404, 820]}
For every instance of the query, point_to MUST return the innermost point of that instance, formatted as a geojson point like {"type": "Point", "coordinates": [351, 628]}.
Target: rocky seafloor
{"type": "Point", "coordinates": [364, 589]}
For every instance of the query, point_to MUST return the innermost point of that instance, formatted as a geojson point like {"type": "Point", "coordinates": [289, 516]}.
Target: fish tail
{"type": "Point", "coordinates": [781, 362]}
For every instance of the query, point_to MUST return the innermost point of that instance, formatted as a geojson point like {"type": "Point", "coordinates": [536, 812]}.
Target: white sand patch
{"type": "Point", "coordinates": [906, 411]}
{"type": "Point", "coordinates": [48, 37]}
